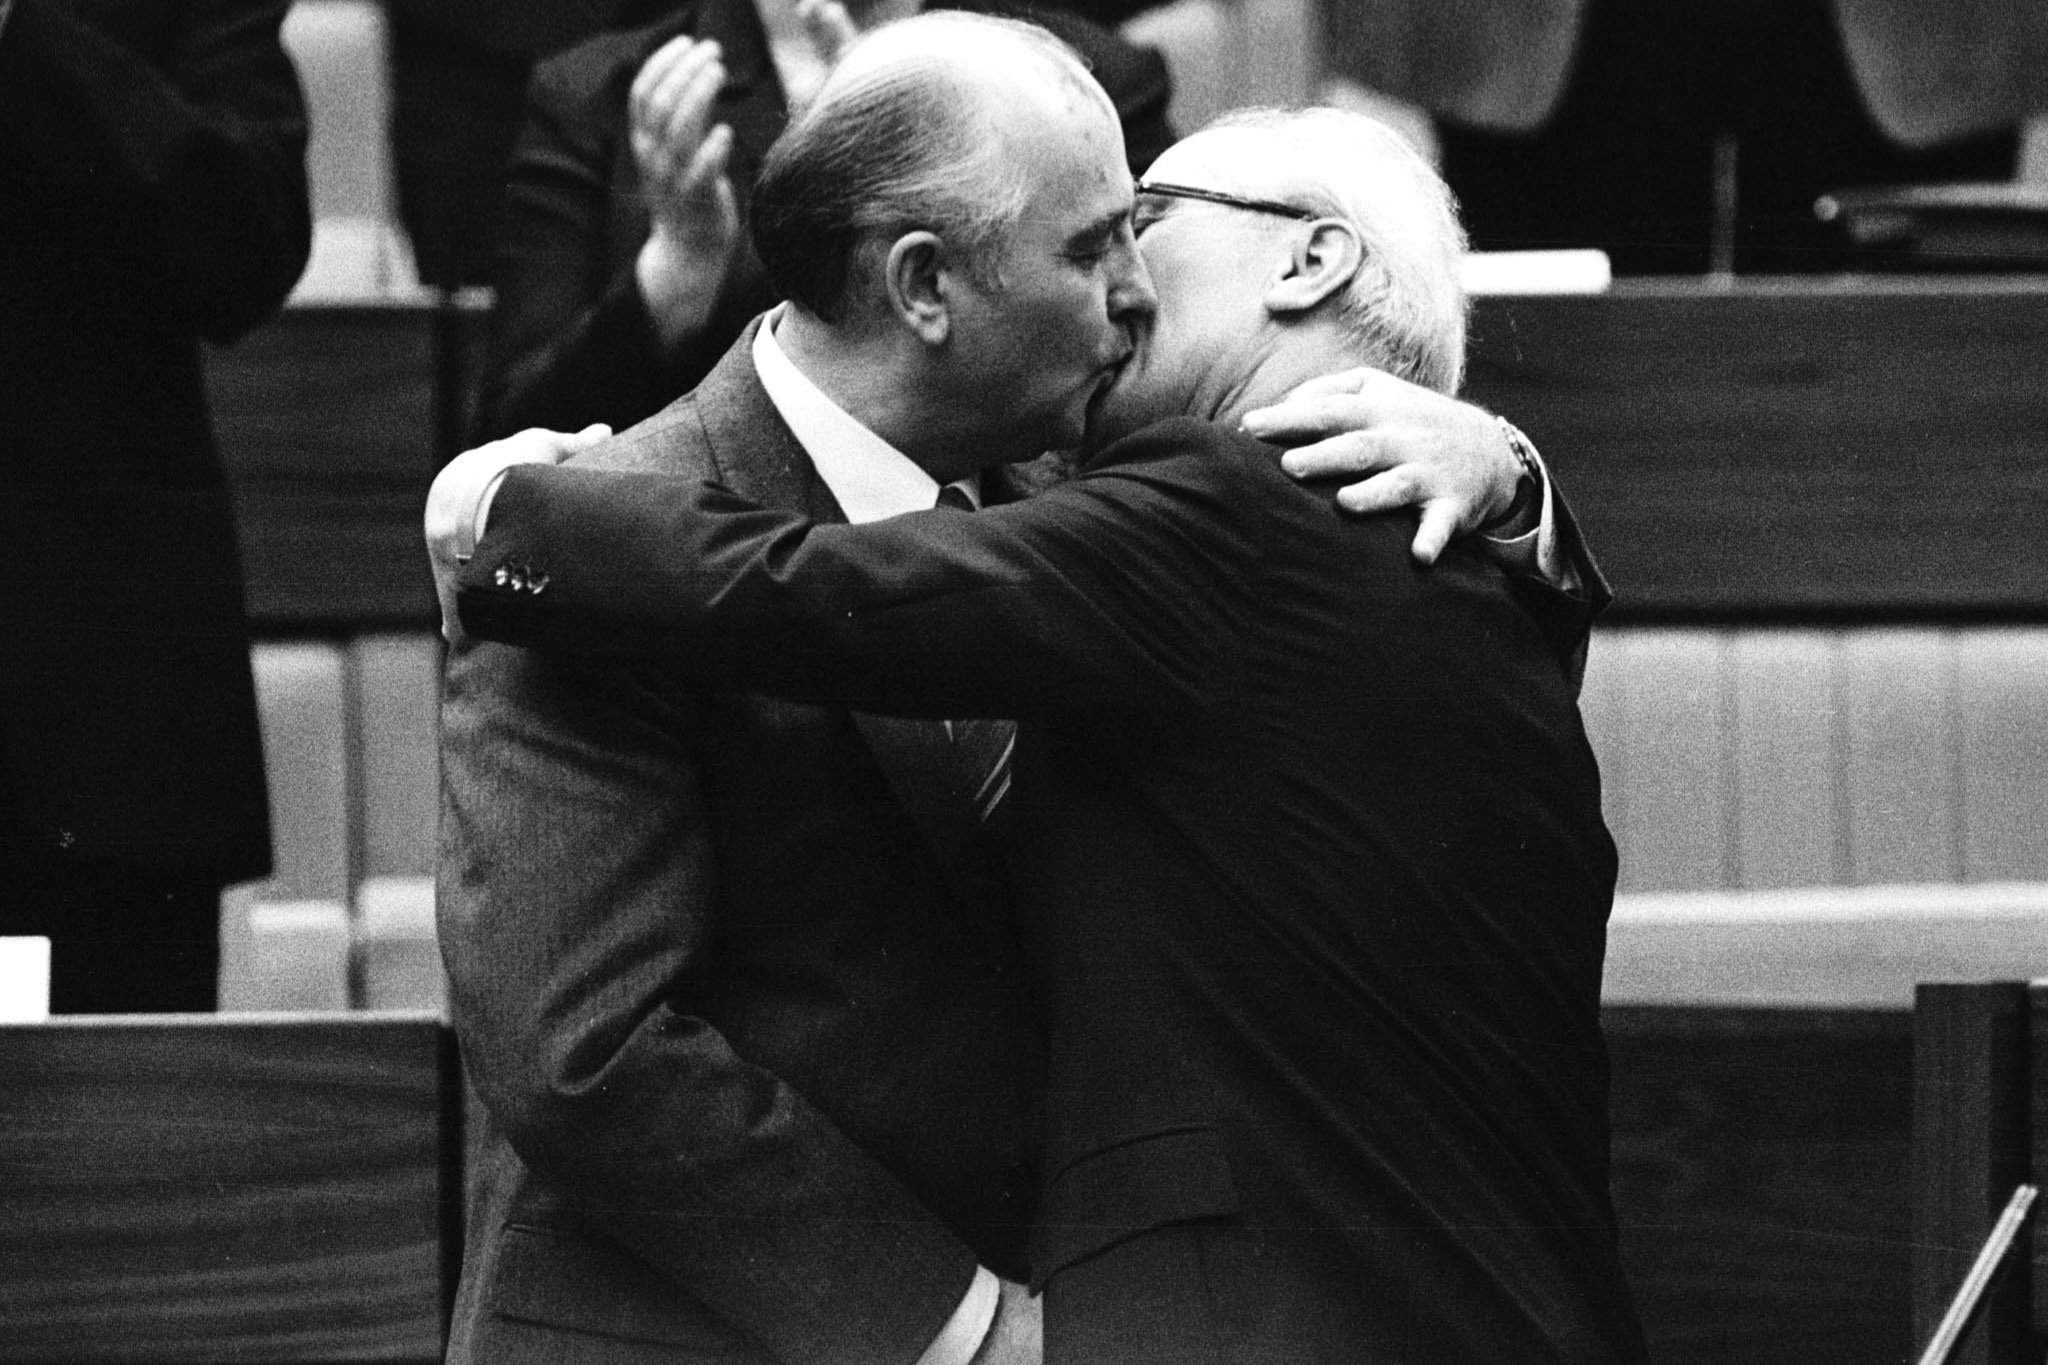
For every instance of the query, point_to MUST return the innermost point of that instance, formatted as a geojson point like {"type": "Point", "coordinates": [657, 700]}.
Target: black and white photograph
{"type": "Point", "coordinates": [1024, 682]}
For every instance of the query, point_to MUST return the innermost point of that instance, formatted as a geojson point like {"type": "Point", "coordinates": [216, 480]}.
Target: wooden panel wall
{"type": "Point", "coordinates": [1760, 1180]}
{"type": "Point", "coordinates": [350, 746]}
{"type": "Point", "coordinates": [1973, 1109]}
{"type": "Point", "coordinates": [1808, 447]}
{"type": "Point", "coordinates": [1813, 448]}
{"type": "Point", "coordinates": [1758, 757]}
{"type": "Point", "coordinates": [397, 680]}
{"type": "Point", "coordinates": [1819, 946]}
{"type": "Point", "coordinates": [1734, 759]}
{"type": "Point", "coordinates": [349, 735]}
{"type": "Point", "coordinates": [332, 421]}
{"type": "Point", "coordinates": [216, 1190]}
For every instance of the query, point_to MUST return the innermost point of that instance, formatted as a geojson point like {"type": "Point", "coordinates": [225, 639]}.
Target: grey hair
{"type": "Point", "coordinates": [1406, 308]}
{"type": "Point", "coordinates": [908, 139]}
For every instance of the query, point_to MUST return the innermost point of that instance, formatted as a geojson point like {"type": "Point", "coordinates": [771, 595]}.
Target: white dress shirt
{"type": "Point", "coordinates": [870, 478]}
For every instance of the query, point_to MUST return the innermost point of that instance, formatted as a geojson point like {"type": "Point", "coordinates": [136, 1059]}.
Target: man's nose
{"type": "Point", "coordinates": [1130, 292]}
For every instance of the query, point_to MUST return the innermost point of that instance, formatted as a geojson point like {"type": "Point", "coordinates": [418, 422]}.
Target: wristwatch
{"type": "Point", "coordinates": [1528, 488]}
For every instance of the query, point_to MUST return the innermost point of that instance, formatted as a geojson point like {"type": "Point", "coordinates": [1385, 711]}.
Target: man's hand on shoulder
{"type": "Point", "coordinates": [1016, 1337]}
{"type": "Point", "coordinates": [459, 501]}
{"type": "Point", "coordinates": [1418, 447]}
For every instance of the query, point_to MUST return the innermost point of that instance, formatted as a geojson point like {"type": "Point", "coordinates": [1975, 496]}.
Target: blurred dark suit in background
{"type": "Point", "coordinates": [153, 157]}
{"type": "Point", "coordinates": [459, 71]}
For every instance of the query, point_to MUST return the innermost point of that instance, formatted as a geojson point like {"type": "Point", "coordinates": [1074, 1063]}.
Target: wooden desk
{"type": "Point", "coordinates": [332, 421]}
{"type": "Point", "coordinates": [1980, 1129]}
{"type": "Point", "coordinates": [1761, 1161]}
{"type": "Point", "coordinates": [1813, 449]}
{"type": "Point", "coordinates": [221, 1188]}
{"type": "Point", "coordinates": [1820, 448]}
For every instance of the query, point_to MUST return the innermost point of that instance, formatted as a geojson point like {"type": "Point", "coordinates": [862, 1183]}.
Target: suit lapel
{"type": "Point", "coordinates": [754, 453]}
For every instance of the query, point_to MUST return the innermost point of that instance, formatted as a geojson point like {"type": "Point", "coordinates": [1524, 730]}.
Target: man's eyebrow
{"type": "Point", "coordinates": [1102, 229]}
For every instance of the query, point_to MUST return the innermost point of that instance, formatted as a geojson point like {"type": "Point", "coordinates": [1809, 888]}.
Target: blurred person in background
{"type": "Point", "coordinates": [623, 271]}
{"type": "Point", "coordinates": [1684, 136]}
{"type": "Point", "coordinates": [153, 159]}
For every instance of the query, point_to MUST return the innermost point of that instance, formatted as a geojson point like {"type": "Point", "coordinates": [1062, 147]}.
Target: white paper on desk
{"type": "Point", "coordinates": [1575, 271]}
{"type": "Point", "coordinates": [24, 980]}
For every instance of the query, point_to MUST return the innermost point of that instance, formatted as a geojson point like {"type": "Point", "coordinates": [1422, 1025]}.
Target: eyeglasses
{"type": "Point", "coordinates": [1277, 209]}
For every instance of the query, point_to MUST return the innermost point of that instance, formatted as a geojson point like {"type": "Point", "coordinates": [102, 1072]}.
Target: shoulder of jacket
{"type": "Point", "coordinates": [670, 441]}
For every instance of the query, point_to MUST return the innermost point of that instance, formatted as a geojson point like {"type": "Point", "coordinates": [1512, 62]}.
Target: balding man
{"type": "Point", "coordinates": [624, 274]}
{"type": "Point", "coordinates": [759, 1053]}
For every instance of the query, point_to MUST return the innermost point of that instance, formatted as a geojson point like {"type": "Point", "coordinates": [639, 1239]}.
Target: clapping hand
{"type": "Point", "coordinates": [682, 158]}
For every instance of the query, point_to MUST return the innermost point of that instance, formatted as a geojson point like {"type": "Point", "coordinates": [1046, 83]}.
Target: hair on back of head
{"type": "Point", "coordinates": [908, 138]}
{"type": "Point", "coordinates": [1406, 308]}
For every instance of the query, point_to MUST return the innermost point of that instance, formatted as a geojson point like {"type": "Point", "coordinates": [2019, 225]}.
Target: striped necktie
{"type": "Point", "coordinates": [981, 749]}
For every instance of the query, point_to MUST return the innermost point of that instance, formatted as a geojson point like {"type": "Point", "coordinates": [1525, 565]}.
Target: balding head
{"type": "Point", "coordinates": [914, 130]}
{"type": "Point", "coordinates": [1283, 245]}
{"type": "Point", "coordinates": [1405, 308]}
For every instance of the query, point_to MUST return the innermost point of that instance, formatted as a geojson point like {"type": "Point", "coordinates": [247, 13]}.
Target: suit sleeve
{"type": "Point", "coordinates": [1566, 617]}
{"type": "Point", "coordinates": [575, 892]}
{"type": "Point", "coordinates": [184, 175]}
{"type": "Point", "coordinates": [572, 341]}
{"type": "Point", "coordinates": [1115, 596]}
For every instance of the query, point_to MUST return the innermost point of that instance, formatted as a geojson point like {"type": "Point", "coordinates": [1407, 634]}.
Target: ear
{"type": "Point", "coordinates": [916, 279]}
{"type": "Point", "coordinates": [1321, 263]}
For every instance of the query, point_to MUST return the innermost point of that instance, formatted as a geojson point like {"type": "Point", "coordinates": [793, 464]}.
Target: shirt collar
{"type": "Point", "coordinates": [869, 478]}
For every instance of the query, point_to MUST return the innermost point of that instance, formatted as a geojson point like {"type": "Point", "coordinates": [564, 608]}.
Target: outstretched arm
{"type": "Point", "coordinates": [1116, 594]}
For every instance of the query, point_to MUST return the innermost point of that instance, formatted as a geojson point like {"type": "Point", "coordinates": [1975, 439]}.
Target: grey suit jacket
{"type": "Point", "coordinates": [760, 1069]}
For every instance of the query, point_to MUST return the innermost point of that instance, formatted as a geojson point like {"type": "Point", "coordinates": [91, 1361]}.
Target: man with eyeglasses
{"type": "Point", "coordinates": [1307, 834]}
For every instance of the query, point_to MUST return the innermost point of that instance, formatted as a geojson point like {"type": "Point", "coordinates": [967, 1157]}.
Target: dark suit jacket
{"type": "Point", "coordinates": [153, 159]}
{"type": "Point", "coordinates": [761, 1075]}
{"type": "Point", "coordinates": [572, 342]}
{"type": "Point", "coordinates": [1310, 838]}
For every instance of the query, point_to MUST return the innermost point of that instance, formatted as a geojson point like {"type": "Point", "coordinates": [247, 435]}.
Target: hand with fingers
{"type": "Point", "coordinates": [459, 502]}
{"type": "Point", "coordinates": [1416, 448]}
{"type": "Point", "coordinates": [682, 157]}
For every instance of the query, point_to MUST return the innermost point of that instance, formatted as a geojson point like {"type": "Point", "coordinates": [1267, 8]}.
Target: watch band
{"type": "Point", "coordinates": [1527, 488]}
